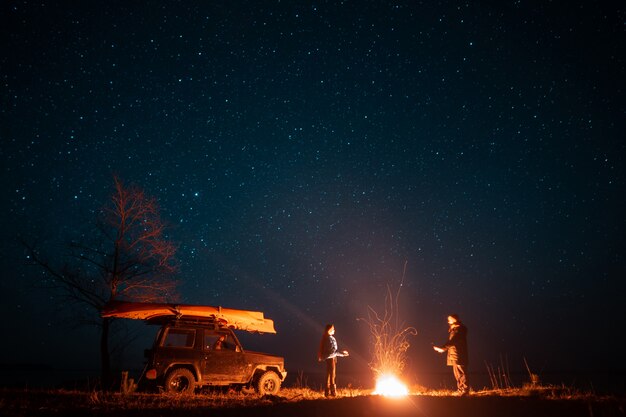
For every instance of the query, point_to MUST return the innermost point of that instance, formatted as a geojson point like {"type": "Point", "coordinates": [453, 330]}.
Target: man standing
{"type": "Point", "coordinates": [456, 346]}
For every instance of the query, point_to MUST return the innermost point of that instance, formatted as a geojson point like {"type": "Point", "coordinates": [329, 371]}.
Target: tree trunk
{"type": "Point", "coordinates": [105, 359]}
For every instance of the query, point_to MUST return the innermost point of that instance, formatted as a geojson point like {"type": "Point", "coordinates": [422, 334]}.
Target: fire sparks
{"type": "Point", "coordinates": [390, 386]}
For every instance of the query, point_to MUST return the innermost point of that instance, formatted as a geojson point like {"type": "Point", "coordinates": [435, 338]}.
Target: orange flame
{"type": "Point", "coordinates": [390, 386]}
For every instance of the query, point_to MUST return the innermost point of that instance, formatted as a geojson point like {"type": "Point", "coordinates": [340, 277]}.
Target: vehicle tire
{"type": "Point", "coordinates": [180, 381]}
{"type": "Point", "coordinates": [268, 384]}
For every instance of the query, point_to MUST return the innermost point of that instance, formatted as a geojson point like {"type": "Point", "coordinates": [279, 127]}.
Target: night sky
{"type": "Point", "coordinates": [303, 152]}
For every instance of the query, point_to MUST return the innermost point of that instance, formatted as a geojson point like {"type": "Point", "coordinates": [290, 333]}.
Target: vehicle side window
{"type": "Point", "coordinates": [179, 338]}
{"type": "Point", "coordinates": [218, 342]}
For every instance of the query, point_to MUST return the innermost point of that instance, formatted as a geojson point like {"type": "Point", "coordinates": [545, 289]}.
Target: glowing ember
{"type": "Point", "coordinates": [390, 386]}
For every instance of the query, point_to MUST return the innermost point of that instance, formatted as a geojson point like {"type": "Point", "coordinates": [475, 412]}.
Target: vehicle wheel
{"type": "Point", "coordinates": [268, 383]}
{"type": "Point", "coordinates": [180, 381]}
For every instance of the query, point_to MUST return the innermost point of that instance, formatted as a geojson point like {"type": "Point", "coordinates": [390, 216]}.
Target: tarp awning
{"type": "Point", "coordinates": [251, 321]}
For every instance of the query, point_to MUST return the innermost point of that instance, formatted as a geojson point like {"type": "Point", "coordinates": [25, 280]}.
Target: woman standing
{"type": "Point", "coordinates": [328, 352]}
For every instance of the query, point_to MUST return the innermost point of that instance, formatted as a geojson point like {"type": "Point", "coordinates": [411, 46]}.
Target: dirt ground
{"type": "Point", "coordinates": [27, 403]}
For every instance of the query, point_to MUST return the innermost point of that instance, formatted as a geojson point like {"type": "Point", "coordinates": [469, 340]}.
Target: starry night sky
{"type": "Point", "coordinates": [304, 151]}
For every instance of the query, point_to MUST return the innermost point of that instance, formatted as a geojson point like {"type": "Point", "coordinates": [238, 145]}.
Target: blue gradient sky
{"type": "Point", "coordinates": [303, 152]}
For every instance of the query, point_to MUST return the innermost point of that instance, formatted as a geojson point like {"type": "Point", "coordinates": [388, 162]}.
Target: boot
{"type": "Point", "coordinates": [333, 390]}
{"type": "Point", "coordinates": [327, 391]}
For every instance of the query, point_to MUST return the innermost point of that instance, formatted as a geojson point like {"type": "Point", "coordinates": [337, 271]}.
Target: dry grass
{"type": "Point", "coordinates": [553, 392]}
{"type": "Point", "coordinates": [58, 400]}
{"type": "Point", "coordinates": [308, 402]}
{"type": "Point", "coordinates": [297, 401]}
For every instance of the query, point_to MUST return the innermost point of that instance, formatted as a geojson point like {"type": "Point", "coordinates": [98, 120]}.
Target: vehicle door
{"type": "Point", "coordinates": [224, 360]}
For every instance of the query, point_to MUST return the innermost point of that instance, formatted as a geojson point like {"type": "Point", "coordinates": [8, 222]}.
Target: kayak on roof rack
{"type": "Point", "coordinates": [251, 321]}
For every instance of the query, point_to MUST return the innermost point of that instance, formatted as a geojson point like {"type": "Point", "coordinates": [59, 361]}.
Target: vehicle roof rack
{"type": "Point", "coordinates": [196, 321]}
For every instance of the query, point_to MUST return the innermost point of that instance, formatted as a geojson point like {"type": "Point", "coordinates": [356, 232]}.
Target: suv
{"type": "Point", "coordinates": [196, 347]}
{"type": "Point", "coordinates": [190, 354]}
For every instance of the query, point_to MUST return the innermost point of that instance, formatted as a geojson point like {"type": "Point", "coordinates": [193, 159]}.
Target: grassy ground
{"type": "Point", "coordinates": [536, 401]}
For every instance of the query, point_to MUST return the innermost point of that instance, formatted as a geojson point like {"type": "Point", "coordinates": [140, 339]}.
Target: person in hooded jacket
{"type": "Point", "coordinates": [458, 357]}
{"type": "Point", "coordinates": [328, 352]}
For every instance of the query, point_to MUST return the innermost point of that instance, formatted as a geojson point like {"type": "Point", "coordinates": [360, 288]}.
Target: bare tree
{"type": "Point", "coordinates": [128, 258]}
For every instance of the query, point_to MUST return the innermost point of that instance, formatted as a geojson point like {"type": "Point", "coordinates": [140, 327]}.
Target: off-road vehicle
{"type": "Point", "coordinates": [196, 347]}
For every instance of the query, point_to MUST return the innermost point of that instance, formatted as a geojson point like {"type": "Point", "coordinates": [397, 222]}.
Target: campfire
{"type": "Point", "coordinates": [390, 386]}
{"type": "Point", "coordinates": [389, 338]}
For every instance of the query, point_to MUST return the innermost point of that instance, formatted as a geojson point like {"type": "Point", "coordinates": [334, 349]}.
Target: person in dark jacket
{"type": "Point", "coordinates": [456, 346]}
{"type": "Point", "coordinates": [328, 352]}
